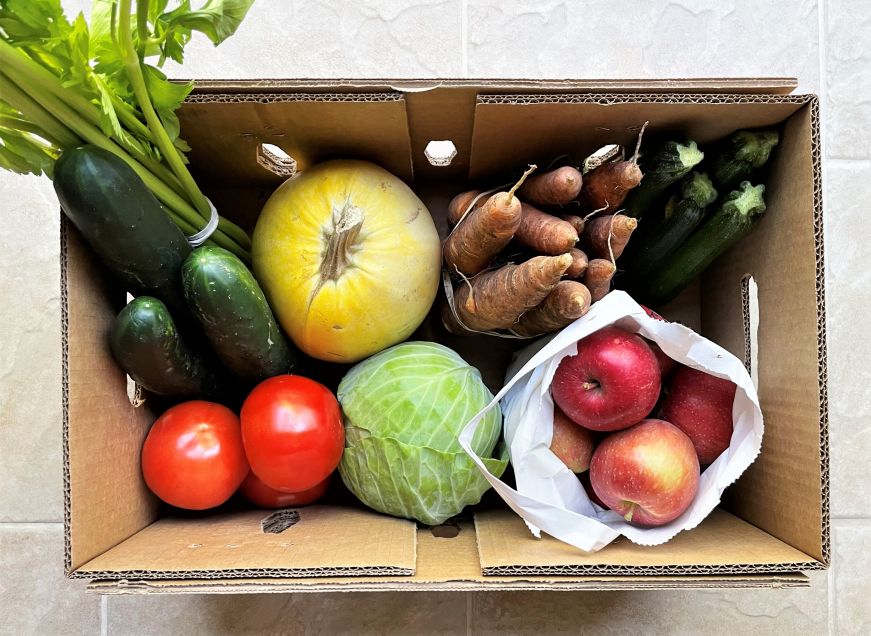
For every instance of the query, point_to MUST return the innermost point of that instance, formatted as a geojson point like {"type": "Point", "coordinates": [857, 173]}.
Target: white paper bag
{"type": "Point", "coordinates": [549, 496]}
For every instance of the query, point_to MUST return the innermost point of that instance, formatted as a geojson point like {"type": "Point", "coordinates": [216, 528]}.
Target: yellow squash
{"type": "Point", "coordinates": [349, 258]}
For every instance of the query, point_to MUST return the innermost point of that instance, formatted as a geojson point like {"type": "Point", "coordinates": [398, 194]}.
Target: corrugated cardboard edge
{"type": "Point", "coordinates": [822, 348]}
{"type": "Point", "coordinates": [643, 98]}
{"type": "Point", "coordinates": [244, 573]}
{"type": "Point", "coordinates": [268, 97]}
{"type": "Point", "coordinates": [537, 584]}
{"type": "Point", "coordinates": [65, 392]}
{"type": "Point", "coordinates": [767, 85]}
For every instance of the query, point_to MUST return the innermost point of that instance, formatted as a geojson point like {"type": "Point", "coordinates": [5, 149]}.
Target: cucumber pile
{"type": "Point", "coordinates": [200, 323]}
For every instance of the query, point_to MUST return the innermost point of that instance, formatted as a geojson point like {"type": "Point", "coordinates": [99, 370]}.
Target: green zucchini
{"type": "Point", "coordinates": [667, 165]}
{"type": "Point", "coordinates": [731, 221]}
{"type": "Point", "coordinates": [147, 345]}
{"type": "Point", "coordinates": [123, 222]}
{"type": "Point", "coordinates": [740, 154]}
{"type": "Point", "coordinates": [683, 214]}
{"type": "Point", "coordinates": [224, 296]}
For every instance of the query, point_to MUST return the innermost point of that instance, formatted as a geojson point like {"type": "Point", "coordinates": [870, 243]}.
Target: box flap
{"type": "Point", "coordinates": [226, 132]}
{"type": "Point", "coordinates": [723, 543]}
{"type": "Point", "coordinates": [743, 85]}
{"type": "Point", "coordinates": [326, 541]}
{"type": "Point", "coordinates": [507, 134]}
{"type": "Point", "coordinates": [444, 563]}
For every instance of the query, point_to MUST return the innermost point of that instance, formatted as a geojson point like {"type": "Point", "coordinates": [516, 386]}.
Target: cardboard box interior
{"type": "Point", "coordinates": [774, 521]}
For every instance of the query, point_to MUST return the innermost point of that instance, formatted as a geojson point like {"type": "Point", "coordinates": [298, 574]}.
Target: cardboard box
{"type": "Point", "coordinates": [774, 523]}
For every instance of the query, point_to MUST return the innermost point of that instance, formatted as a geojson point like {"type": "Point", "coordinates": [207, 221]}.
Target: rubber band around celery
{"type": "Point", "coordinates": [195, 240]}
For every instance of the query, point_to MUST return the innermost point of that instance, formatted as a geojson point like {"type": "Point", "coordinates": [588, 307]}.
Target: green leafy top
{"type": "Point", "coordinates": [89, 61]}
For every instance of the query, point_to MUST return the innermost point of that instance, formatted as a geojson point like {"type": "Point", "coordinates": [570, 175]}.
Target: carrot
{"type": "Point", "coordinates": [544, 232]}
{"type": "Point", "coordinates": [568, 301]}
{"type": "Point", "coordinates": [606, 187]}
{"type": "Point", "coordinates": [482, 234]}
{"type": "Point", "coordinates": [496, 299]}
{"type": "Point", "coordinates": [459, 203]}
{"type": "Point", "coordinates": [474, 243]}
{"type": "Point", "coordinates": [575, 221]}
{"type": "Point", "coordinates": [616, 227]}
{"type": "Point", "coordinates": [600, 271]}
{"type": "Point", "coordinates": [579, 264]}
{"type": "Point", "coordinates": [557, 187]}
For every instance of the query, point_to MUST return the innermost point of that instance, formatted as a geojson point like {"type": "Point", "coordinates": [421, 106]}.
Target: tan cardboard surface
{"type": "Point", "coordinates": [722, 543]}
{"type": "Point", "coordinates": [106, 500]}
{"type": "Point", "coordinates": [444, 564]}
{"type": "Point", "coordinates": [512, 130]}
{"type": "Point", "coordinates": [782, 491]}
{"type": "Point", "coordinates": [325, 541]}
{"type": "Point", "coordinates": [225, 132]}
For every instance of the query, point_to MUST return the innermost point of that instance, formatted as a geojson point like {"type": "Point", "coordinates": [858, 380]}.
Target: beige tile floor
{"type": "Point", "coordinates": [825, 44]}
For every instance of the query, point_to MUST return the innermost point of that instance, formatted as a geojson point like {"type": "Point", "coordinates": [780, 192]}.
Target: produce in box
{"type": "Point", "coordinates": [649, 471]}
{"type": "Point", "coordinates": [403, 410]}
{"type": "Point", "coordinates": [147, 344]}
{"type": "Point", "coordinates": [349, 259]}
{"type": "Point", "coordinates": [736, 158]}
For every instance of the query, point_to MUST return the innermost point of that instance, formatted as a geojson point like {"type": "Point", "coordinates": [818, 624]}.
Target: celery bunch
{"type": "Point", "coordinates": [64, 83]}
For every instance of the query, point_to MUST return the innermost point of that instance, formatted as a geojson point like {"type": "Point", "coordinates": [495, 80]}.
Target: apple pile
{"type": "Point", "coordinates": [637, 426]}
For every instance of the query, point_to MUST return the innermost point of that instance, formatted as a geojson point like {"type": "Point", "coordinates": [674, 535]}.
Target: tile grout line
{"type": "Point", "coordinates": [843, 159]}
{"type": "Point", "coordinates": [464, 35]}
{"type": "Point", "coordinates": [104, 615]}
{"type": "Point", "coordinates": [30, 523]}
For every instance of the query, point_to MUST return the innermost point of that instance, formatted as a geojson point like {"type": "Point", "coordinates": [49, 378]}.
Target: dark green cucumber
{"type": "Point", "coordinates": [731, 221]}
{"type": "Point", "coordinates": [224, 296]}
{"type": "Point", "coordinates": [683, 214]}
{"type": "Point", "coordinates": [147, 344]}
{"type": "Point", "coordinates": [740, 154]}
{"type": "Point", "coordinates": [665, 166]}
{"type": "Point", "coordinates": [122, 221]}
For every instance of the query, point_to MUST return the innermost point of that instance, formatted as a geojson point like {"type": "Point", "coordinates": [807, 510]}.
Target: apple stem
{"type": "Point", "coordinates": [586, 386]}
{"type": "Point", "coordinates": [629, 513]}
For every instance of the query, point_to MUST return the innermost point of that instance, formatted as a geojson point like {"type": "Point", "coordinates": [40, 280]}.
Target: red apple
{"type": "Point", "coordinates": [613, 381]}
{"type": "Point", "coordinates": [700, 405]}
{"type": "Point", "coordinates": [648, 473]}
{"type": "Point", "coordinates": [585, 482]}
{"type": "Point", "coordinates": [666, 364]}
{"type": "Point", "coordinates": [573, 444]}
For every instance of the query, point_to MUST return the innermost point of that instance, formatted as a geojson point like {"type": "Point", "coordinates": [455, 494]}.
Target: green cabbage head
{"type": "Point", "coordinates": [404, 409]}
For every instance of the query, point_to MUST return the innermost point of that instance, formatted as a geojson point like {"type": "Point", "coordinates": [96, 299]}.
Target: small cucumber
{"type": "Point", "coordinates": [224, 296]}
{"type": "Point", "coordinates": [123, 222]}
{"type": "Point", "coordinates": [683, 214]}
{"type": "Point", "coordinates": [147, 344]}
{"type": "Point", "coordinates": [731, 221]}
{"type": "Point", "coordinates": [665, 166]}
{"type": "Point", "coordinates": [740, 154]}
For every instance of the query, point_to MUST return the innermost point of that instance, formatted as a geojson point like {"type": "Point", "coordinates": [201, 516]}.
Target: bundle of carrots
{"type": "Point", "coordinates": [571, 258]}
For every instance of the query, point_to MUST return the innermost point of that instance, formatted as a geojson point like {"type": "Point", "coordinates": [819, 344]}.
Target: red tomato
{"type": "Point", "coordinates": [292, 431]}
{"type": "Point", "coordinates": [262, 495]}
{"type": "Point", "coordinates": [193, 456]}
